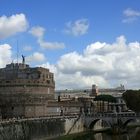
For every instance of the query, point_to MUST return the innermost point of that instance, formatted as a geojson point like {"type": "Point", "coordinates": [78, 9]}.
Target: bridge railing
{"type": "Point", "coordinates": [64, 116]}
{"type": "Point", "coordinates": [120, 114]}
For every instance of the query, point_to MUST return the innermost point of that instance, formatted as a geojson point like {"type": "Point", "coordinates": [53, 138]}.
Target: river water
{"type": "Point", "coordinates": [132, 134]}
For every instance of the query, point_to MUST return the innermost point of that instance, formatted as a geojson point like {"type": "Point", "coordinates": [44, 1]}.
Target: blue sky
{"type": "Point", "coordinates": [66, 35]}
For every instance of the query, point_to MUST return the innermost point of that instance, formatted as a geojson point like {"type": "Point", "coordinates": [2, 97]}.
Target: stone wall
{"type": "Point", "coordinates": [35, 111]}
{"type": "Point", "coordinates": [41, 128]}
{"type": "Point", "coordinates": [28, 111]}
{"type": "Point", "coordinates": [26, 88]}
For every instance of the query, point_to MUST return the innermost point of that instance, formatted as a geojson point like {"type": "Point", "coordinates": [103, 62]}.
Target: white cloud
{"type": "Point", "coordinates": [39, 33]}
{"type": "Point", "coordinates": [5, 54]}
{"type": "Point", "coordinates": [51, 45]}
{"type": "Point", "coordinates": [78, 80]}
{"type": "Point", "coordinates": [27, 48]}
{"type": "Point", "coordinates": [130, 15]}
{"type": "Point", "coordinates": [36, 57]}
{"type": "Point", "coordinates": [129, 20]}
{"type": "Point", "coordinates": [100, 63]}
{"type": "Point", "coordinates": [11, 25]}
{"type": "Point", "coordinates": [77, 28]}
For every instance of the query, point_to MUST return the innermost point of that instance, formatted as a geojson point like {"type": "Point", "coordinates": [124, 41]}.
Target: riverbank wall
{"type": "Point", "coordinates": [40, 128]}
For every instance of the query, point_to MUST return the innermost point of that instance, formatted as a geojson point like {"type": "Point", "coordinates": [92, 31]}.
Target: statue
{"type": "Point", "coordinates": [23, 59]}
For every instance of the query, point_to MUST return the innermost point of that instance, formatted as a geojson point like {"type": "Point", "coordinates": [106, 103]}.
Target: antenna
{"type": "Point", "coordinates": [17, 51]}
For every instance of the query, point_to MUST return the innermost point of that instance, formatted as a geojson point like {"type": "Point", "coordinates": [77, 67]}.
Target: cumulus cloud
{"type": "Point", "coordinates": [77, 28]}
{"type": "Point", "coordinates": [36, 57]}
{"type": "Point", "coordinates": [11, 25]}
{"type": "Point", "coordinates": [130, 15]}
{"type": "Point", "coordinates": [5, 54]}
{"type": "Point", "coordinates": [101, 63]}
{"type": "Point", "coordinates": [78, 80]}
{"type": "Point", "coordinates": [39, 33]}
{"type": "Point", "coordinates": [51, 45]}
{"type": "Point", "coordinates": [27, 48]}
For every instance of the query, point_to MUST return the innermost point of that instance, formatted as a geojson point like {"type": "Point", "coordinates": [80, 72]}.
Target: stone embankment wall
{"type": "Point", "coordinates": [40, 128]}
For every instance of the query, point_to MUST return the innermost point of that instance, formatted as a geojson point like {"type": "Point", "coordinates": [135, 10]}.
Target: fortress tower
{"type": "Point", "coordinates": [24, 91]}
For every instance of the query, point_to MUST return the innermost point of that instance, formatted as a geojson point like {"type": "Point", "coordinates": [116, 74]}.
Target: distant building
{"type": "Point", "coordinates": [99, 106]}
{"type": "Point", "coordinates": [24, 91]}
{"type": "Point", "coordinates": [120, 104]}
{"type": "Point", "coordinates": [76, 93]}
{"type": "Point", "coordinates": [92, 92]}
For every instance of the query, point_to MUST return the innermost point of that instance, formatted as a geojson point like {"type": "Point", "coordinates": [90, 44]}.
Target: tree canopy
{"type": "Point", "coordinates": [132, 99]}
{"type": "Point", "coordinates": [107, 98]}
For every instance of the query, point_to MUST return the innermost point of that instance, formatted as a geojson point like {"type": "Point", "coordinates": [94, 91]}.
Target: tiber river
{"type": "Point", "coordinates": [132, 134]}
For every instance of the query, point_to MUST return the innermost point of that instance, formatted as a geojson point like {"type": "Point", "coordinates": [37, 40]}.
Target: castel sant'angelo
{"type": "Point", "coordinates": [24, 91]}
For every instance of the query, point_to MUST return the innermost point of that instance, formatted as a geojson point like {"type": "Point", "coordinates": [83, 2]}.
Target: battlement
{"type": "Point", "coordinates": [16, 66]}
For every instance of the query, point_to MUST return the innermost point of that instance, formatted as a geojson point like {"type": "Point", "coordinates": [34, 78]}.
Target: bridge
{"type": "Point", "coordinates": [111, 119]}
{"type": "Point", "coordinates": [89, 120]}
{"type": "Point", "coordinates": [73, 122]}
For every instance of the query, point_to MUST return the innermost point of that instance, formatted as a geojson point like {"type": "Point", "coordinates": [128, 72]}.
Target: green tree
{"type": "Point", "coordinates": [132, 99]}
{"type": "Point", "coordinates": [107, 98]}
